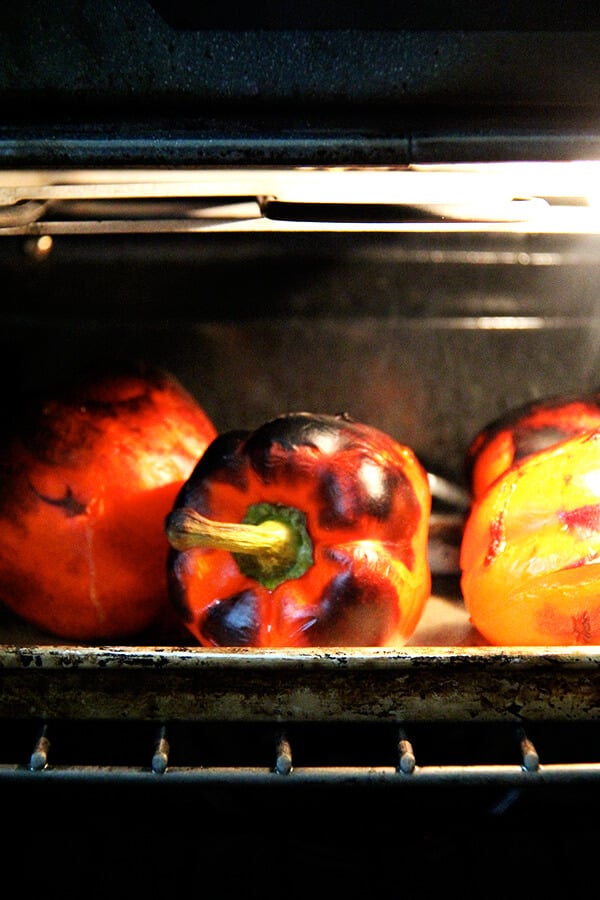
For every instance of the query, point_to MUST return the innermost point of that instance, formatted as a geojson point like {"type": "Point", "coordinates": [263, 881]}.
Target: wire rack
{"type": "Point", "coordinates": [395, 719]}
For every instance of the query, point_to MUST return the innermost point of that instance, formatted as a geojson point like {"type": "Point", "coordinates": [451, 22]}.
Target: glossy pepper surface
{"type": "Point", "coordinates": [332, 548]}
{"type": "Point", "coordinates": [530, 553]}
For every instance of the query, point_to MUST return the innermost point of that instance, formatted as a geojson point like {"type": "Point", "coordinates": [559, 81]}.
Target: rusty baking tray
{"type": "Point", "coordinates": [445, 673]}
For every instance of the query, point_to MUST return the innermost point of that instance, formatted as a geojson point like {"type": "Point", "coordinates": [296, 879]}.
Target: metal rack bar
{"type": "Point", "coordinates": [383, 776]}
{"type": "Point", "coordinates": [526, 772]}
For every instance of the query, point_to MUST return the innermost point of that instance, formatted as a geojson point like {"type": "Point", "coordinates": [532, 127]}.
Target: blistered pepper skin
{"type": "Point", "coordinates": [526, 430]}
{"type": "Point", "coordinates": [530, 554]}
{"type": "Point", "coordinates": [366, 502]}
{"type": "Point", "coordinates": [87, 475]}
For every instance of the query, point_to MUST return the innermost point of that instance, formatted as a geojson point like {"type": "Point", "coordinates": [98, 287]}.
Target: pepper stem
{"type": "Point", "coordinates": [271, 545]}
{"type": "Point", "coordinates": [187, 528]}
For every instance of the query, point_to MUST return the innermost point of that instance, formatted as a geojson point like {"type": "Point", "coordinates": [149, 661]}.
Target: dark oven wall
{"type": "Point", "coordinates": [136, 82]}
{"type": "Point", "coordinates": [425, 337]}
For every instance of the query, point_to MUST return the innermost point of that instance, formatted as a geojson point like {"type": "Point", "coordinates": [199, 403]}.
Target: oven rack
{"type": "Point", "coordinates": [526, 768]}
{"type": "Point", "coordinates": [510, 718]}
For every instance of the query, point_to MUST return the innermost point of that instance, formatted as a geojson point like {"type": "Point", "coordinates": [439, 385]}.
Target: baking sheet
{"type": "Point", "coordinates": [444, 623]}
{"type": "Point", "coordinates": [445, 673]}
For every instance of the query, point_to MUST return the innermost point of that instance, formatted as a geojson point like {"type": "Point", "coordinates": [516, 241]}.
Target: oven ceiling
{"type": "Point", "coordinates": [143, 83]}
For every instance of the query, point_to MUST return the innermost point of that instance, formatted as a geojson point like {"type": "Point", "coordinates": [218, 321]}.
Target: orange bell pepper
{"type": "Point", "coordinates": [309, 531]}
{"type": "Point", "coordinates": [526, 430]}
{"type": "Point", "coordinates": [530, 553]}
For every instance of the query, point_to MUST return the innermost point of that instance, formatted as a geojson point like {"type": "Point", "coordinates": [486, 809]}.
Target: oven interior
{"type": "Point", "coordinates": [418, 309]}
{"type": "Point", "coordinates": [388, 220]}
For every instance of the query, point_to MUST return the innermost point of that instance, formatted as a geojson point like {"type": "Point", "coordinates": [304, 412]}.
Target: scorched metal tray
{"type": "Point", "coordinates": [445, 673]}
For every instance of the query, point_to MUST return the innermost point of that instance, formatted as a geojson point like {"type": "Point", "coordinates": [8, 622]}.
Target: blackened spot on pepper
{"type": "Point", "coordinates": [219, 462]}
{"type": "Point", "coordinates": [176, 590]}
{"type": "Point", "coordinates": [232, 622]}
{"type": "Point", "coordinates": [405, 498]}
{"type": "Point", "coordinates": [67, 502]}
{"type": "Point", "coordinates": [355, 611]}
{"type": "Point", "coordinates": [528, 440]}
{"type": "Point", "coordinates": [329, 434]}
{"type": "Point", "coordinates": [532, 427]}
{"type": "Point", "coordinates": [345, 497]}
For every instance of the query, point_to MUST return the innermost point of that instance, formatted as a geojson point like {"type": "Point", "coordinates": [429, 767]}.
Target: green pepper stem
{"type": "Point", "coordinates": [272, 540]}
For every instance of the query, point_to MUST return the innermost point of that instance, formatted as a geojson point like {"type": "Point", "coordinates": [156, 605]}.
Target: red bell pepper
{"type": "Point", "coordinates": [309, 531]}
{"type": "Point", "coordinates": [88, 472]}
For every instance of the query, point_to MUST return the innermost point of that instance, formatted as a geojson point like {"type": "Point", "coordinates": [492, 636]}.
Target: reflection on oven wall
{"type": "Point", "coordinates": [426, 342]}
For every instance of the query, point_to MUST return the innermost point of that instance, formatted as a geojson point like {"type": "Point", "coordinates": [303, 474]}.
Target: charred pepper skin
{"type": "Point", "coordinates": [531, 543]}
{"type": "Point", "coordinates": [364, 502]}
{"type": "Point", "coordinates": [525, 430]}
{"type": "Point", "coordinates": [88, 471]}
{"type": "Point", "coordinates": [530, 554]}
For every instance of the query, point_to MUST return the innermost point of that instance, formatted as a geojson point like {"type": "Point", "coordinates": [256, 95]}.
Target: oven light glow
{"type": "Point", "coordinates": [524, 197]}
{"type": "Point", "coordinates": [501, 323]}
{"type": "Point", "coordinates": [39, 248]}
